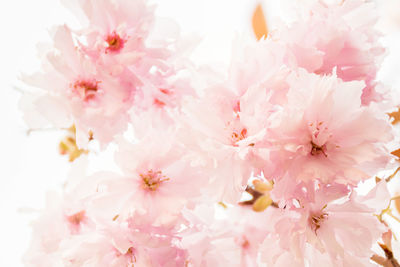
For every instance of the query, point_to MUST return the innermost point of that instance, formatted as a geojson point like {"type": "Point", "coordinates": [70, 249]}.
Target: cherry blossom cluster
{"type": "Point", "coordinates": [259, 166]}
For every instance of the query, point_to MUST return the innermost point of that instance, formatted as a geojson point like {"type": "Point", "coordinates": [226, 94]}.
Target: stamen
{"type": "Point", "coordinates": [316, 150]}
{"type": "Point", "coordinates": [130, 254]}
{"type": "Point", "coordinates": [245, 243]}
{"type": "Point", "coordinates": [76, 218]}
{"type": "Point", "coordinates": [86, 89]}
{"type": "Point", "coordinates": [238, 137]}
{"type": "Point", "coordinates": [115, 43]}
{"type": "Point", "coordinates": [152, 180]}
{"type": "Point", "coordinates": [316, 220]}
{"type": "Point", "coordinates": [158, 103]}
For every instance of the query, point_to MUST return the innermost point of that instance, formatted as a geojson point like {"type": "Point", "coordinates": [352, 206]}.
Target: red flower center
{"type": "Point", "coordinates": [86, 89]}
{"type": "Point", "coordinates": [115, 43]}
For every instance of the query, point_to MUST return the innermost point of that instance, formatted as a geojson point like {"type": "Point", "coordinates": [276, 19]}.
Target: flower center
{"type": "Point", "coordinates": [317, 150]}
{"type": "Point", "coordinates": [115, 42]}
{"type": "Point", "coordinates": [76, 218]}
{"type": "Point", "coordinates": [152, 180]}
{"type": "Point", "coordinates": [129, 255]}
{"type": "Point", "coordinates": [75, 221]}
{"type": "Point", "coordinates": [236, 137]}
{"type": "Point", "coordinates": [319, 137]}
{"type": "Point", "coordinates": [316, 220]}
{"type": "Point", "coordinates": [244, 242]}
{"type": "Point", "coordinates": [86, 89]}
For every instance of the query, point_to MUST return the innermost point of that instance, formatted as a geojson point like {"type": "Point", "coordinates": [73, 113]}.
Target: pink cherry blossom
{"type": "Point", "coordinates": [325, 133]}
{"type": "Point", "coordinates": [157, 181]}
{"type": "Point", "coordinates": [338, 36]}
{"type": "Point", "coordinates": [93, 77]}
{"type": "Point", "coordinates": [75, 91]}
{"type": "Point", "coordinates": [129, 43]}
{"type": "Point", "coordinates": [233, 239]}
{"type": "Point", "coordinates": [121, 245]}
{"type": "Point", "coordinates": [345, 230]}
{"type": "Point", "coordinates": [61, 219]}
{"type": "Point", "coordinates": [222, 138]}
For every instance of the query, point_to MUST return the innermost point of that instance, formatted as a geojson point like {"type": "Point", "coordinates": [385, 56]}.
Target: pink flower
{"type": "Point", "coordinates": [158, 181]}
{"type": "Point", "coordinates": [345, 230]}
{"type": "Point", "coordinates": [123, 32]}
{"type": "Point", "coordinates": [221, 131]}
{"type": "Point", "coordinates": [233, 239]}
{"type": "Point", "coordinates": [337, 36]}
{"type": "Point", "coordinates": [73, 231]}
{"type": "Point", "coordinates": [325, 133]}
{"type": "Point", "coordinates": [121, 244]}
{"type": "Point", "coordinates": [75, 91]}
{"type": "Point", "coordinates": [129, 43]}
{"type": "Point", "coordinates": [62, 218]}
{"type": "Point", "coordinates": [95, 76]}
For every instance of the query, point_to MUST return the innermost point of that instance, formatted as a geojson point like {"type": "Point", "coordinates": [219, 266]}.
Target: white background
{"type": "Point", "coordinates": [30, 165]}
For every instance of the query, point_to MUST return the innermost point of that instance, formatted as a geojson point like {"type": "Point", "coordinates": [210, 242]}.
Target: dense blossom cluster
{"type": "Point", "coordinates": [260, 168]}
